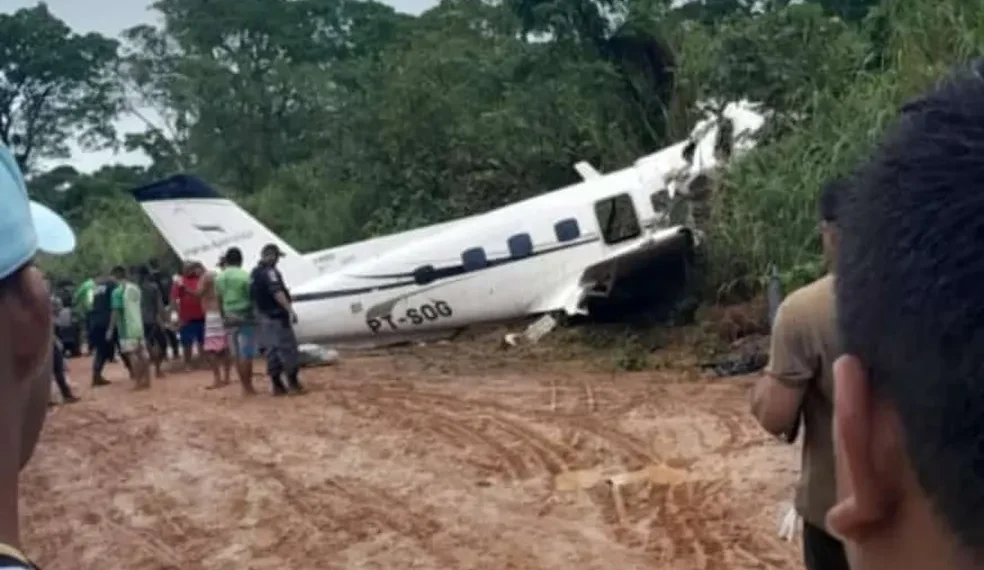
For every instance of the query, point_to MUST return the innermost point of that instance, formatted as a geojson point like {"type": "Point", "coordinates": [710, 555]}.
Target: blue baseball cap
{"type": "Point", "coordinates": [26, 227]}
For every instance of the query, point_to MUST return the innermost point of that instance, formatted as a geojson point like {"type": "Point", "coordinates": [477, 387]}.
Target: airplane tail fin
{"type": "Point", "coordinates": [201, 225]}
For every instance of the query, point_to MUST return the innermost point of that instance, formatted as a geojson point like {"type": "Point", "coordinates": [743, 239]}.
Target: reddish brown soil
{"type": "Point", "coordinates": [441, 457]}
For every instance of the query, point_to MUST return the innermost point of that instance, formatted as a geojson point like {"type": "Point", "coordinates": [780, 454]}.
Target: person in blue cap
{"type": "Point", "coordinates": [26, 339]}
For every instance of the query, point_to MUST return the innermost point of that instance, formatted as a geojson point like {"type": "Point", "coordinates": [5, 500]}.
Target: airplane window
{"type": "Point", "coordinates": [474, 259]}
{"type": "Point", "coordinates": [567, 230]}
{"type": "Point", "coordinates": [424, 274]}
{"type": "Point", "coordinates": [617, 219]}
{"type": "Point", "coordinates": [520, 245]}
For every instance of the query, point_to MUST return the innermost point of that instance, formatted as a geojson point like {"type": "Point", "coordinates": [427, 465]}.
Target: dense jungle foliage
{"type": "Point", "coordinates": [335, 120]}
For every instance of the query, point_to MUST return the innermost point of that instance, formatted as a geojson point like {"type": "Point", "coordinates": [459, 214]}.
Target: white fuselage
{"type": "Point", "coordinates": [522, 259]}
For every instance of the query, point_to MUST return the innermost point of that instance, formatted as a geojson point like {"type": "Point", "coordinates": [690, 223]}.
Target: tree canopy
{"type": "Point", "coordinates": [335, 120]}
{"type": "Point", "coordinates": [55, 84]}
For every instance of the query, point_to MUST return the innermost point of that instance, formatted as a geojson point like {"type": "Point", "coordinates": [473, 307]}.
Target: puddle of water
{"type": "Point", "coordinates": [587, 478]}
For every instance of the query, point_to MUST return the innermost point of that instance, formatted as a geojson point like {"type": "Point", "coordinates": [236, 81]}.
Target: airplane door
{"type": "Point", "coordinates": [617, 218]}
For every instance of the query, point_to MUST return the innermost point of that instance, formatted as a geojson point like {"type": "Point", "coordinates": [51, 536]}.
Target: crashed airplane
{"type": "Point", "coordinates": [547, 255]}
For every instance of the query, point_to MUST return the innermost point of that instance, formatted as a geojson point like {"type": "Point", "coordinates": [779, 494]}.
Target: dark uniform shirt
{"type": "Point", "coordinates": [265, 283]}
{"type": "Point", "coordinates": [164, 283]}
{"type": "Point", "coordinates": [150, 302]}
{"type": "Point", "coordinates": [101, 309]}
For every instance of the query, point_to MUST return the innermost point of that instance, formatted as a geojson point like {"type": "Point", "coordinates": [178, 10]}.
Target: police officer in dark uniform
{"type": "Point", "coordinates": [277, 317]}
{"type": "Point", "coordinates": [98, 325]}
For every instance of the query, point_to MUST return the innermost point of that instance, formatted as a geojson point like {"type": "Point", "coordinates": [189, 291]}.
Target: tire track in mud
{"type": "Point", "coordinates": [698, 526]}
{"type": "Point", "coordinates": [512, 462]}
{"type": "Point", "coordinates": [438, 421]}
{"type": "Point", "coordinates": [685, 523]}
{"type": "Point", "coordinates": [608, 401]}
{"type": "Point", "coordinates": [589, 397]}
{"type": "Point", "coordinates": [585, 403]}
{"type": "Point", "coordinates": [553, 456]}
{"type": "Point", "coordinates": [112, 460]}
{"type": "Point", "coordinates": [631, 447]}
{"type": "Point", "coordinates": [550, 455]}
{"type": "Point", "coordinates": [681, 524]}
{"type": "Point", "coordinates": [689, 523]}
{"type": "Point", "coordinates": [366, 510]}
{"type": "Point", "coordinates": [463, 415]}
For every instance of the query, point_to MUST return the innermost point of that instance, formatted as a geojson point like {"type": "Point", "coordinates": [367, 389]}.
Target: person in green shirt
{"type": "Point", "coordinates": [127, 320]}
{"type": "Point", "coordinates": [82, 301]}
{"type": "Point", "coordinates": [83, 296]}
{"type": "Point", "coordinates": [232, 286]}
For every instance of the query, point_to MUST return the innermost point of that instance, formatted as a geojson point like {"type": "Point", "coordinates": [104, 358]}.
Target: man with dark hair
{"type": "Point", "coordinates": [164, 282]}
{"type": "Point", "coordinates": [232, 286]}
{"type": "Point", "coordinates": [798, 384]}
{"type": "Point", "coordinates": [58, 355]}
{"type": "Point", "coordinates": [277, 318]}
{"type": "Point", "coordinates": [909, 410]}
{"type": "Point", "coordinates": [127, 322]}
{"type": "Point", "coordinates": [154, 317]}
{"type": "Point", "coordinates": [26, 341]}
{"type": "Point", "coordinates": [191, 313]}
{"type": "Point", "coordinates": [99, 321]}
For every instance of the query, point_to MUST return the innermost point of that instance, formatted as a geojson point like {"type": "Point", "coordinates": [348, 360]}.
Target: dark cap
{"type": "Point", "coordinates": [272, 248]}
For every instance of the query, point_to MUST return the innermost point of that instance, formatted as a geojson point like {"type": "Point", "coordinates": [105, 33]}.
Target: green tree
{"type": "Point", "coordinates": [249, 84]}
{"type": "Point", "coordinates": [55, 85]}
{"type": "Point", "coordinates": [110, 226]}
{"type": "Point", "coordinates": [782, 58]}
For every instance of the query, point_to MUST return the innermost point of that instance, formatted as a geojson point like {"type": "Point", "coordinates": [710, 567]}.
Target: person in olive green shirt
{"type": "Point", "coordinates": [232, 286]}
{"type": "Point", "coordinates": [127, 319]}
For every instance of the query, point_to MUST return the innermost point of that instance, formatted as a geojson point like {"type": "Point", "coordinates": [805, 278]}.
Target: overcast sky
{"type": "Point", "coordinates": [110, 17]}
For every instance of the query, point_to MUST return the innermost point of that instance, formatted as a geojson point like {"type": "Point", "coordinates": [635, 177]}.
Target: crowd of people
{"type": "Point", "coordinates": [882, 360]}
{"type": "Point", "coordinates": [148, 316]}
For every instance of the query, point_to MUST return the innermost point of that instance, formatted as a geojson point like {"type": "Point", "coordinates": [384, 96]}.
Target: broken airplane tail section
{"type": "Point", "coordinates": [201, 225]}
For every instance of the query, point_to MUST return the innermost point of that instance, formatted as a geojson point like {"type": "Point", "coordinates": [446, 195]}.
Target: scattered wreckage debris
{"type": "Point", "coordinates": [313, 355]}
{"type": "Point", "coordinates": [754, 355]}
{"type": "Point", "coordinates": [533, 333]}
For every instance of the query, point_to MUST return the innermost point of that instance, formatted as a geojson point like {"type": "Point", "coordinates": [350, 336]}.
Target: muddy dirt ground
{"type": "Point", "coordinates": [441, 457]}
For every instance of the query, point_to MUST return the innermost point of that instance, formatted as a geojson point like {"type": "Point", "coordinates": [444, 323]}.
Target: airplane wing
{"type": "Point", "coordinates": [570, 297]}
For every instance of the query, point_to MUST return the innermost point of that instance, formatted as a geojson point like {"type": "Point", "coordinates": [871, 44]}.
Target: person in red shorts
{"type": "Point", "coordinates": [191, 312]}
